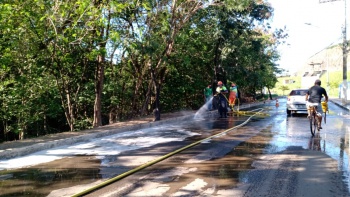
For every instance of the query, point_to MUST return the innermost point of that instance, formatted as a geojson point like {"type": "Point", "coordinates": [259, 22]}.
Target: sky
{"type": "Point", "coordinates": [311, 26]}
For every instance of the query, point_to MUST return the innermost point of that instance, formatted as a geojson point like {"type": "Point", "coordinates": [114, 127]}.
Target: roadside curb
{"type": "Point", "coordinates": [339, 105]}
{"type": "Point", "coordinates": [84, 137]}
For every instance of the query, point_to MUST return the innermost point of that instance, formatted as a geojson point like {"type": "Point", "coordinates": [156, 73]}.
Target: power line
{"type": "Point", "coordinates": [325, 1]}
{"type": "Point", "coordinates": [332, 44]}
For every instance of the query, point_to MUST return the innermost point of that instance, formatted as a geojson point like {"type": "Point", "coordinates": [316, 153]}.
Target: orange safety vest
{"type": "Point", "coordinates": [232, 97]}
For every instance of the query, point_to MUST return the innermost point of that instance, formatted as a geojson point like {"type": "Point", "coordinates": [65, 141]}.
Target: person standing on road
{"type": "Point", "coordinates": [208, 94]}
{"type": "Point", "coordinates": [233, 95]}
{"type": "Point", "coordinates": [313, 97]}
{"type": "Point", "coordinates": [221, 90]}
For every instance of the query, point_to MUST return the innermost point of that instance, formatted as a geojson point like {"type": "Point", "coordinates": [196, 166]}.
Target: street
{"type": "Point", "coordinates": [272, 155]}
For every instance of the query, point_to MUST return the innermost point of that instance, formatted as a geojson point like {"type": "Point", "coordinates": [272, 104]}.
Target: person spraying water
{"type": "Point", "coordinates": [208, 95]}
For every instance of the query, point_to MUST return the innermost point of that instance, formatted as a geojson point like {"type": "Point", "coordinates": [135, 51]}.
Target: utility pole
{"type": "Point", "coordinates": [345, 83]}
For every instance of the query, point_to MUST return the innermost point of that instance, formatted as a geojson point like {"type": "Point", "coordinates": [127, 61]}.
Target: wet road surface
{"type": "Point", "coordinates": [213, 167]}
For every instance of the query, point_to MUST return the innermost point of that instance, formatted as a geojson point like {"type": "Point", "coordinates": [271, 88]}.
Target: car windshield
{"type": "Point", "coordinates": [298, 93]}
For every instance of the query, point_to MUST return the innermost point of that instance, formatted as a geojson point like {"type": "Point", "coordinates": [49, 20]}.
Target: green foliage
{"type": "Point", "coordinates": [334, 79]}
{"type": "Point", "coordinates": [60, 60]}
{"type": "Point", "coordinates": [286, 83]}
{"type": "Point", "coordinates": [284, 88]}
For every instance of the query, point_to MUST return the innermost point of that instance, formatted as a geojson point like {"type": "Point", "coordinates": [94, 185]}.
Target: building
{"type": "Point", "coordinates": [321, 66]}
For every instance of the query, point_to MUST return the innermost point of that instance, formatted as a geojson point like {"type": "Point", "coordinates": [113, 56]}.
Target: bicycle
{"type": "Point", "coordinates": [313, 120]}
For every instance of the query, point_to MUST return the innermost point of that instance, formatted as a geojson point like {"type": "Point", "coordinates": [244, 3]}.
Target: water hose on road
{"type": "Point", "coordinates": [143, 166]}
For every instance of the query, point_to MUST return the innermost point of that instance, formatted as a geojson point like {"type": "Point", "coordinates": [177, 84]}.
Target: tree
{"type": "Point", "coordinates": [86, 63]}
{"type": "Point", "coordinates": [284, 88]}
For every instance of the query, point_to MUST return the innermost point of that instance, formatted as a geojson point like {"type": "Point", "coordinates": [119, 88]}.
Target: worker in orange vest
{"type": "Point", "coordinates": [233, 95]}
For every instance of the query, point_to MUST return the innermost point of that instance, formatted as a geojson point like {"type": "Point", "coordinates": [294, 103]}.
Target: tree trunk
{"type": "Point", "coordinates": [66, 104]}
{"type": "Point", "coordinates": [156, 110]}
{"type": "Point", "coordinates": [146, 102]}
{"type": "Point", "coordinates": [268, 89]}
{"type": "Point", "coordinates": [98, 92]}
{"type": "Point", "coordinates": [157, 103]}
{"type": "Point", "coordinates": [99, 75]}
{"type": "Point", "coordinates": [112, 116]}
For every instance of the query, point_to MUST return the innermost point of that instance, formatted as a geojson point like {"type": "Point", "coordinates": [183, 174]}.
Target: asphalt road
{"type": "Point", "coordinates": [272, 155]}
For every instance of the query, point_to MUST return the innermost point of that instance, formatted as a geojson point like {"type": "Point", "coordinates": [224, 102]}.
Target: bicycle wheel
{"type": "Point", "coordinates": [313, 124]}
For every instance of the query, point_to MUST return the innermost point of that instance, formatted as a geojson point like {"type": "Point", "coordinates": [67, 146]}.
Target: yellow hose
{"type": "Point", "coordinates": [125, 174]}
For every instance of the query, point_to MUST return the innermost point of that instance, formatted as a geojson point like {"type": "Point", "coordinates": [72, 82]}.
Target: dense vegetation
{"type": "Point", "coordinates": [73, 65]}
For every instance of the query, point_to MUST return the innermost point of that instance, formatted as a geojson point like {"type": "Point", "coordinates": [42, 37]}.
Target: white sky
{"type": "Point", "coordinates": [326, 19]}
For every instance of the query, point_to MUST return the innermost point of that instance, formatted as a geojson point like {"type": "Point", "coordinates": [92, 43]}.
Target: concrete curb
{"type": "Point", "coordinates": [340, 105]}
{"type": "Point", "coordinates": [22, 151]}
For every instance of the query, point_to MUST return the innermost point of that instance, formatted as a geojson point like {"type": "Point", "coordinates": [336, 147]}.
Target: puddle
{"type": "Point", "coordinates": [42, 179]}
{"type": "Point", "coordinates": [232, 168]}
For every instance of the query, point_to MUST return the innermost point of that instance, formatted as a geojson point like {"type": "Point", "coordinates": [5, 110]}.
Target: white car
{"type": "Point", "coordinates": [296, 102]}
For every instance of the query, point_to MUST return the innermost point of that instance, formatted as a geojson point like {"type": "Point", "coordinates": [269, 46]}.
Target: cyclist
{"type": "Point", "coordinates": [313, 97]}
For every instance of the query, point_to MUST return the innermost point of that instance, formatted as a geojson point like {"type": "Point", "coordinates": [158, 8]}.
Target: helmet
{"type": "Point", "coordinates": [219, 82]}
{"type": "Point", "coordinates": [318, 82]}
